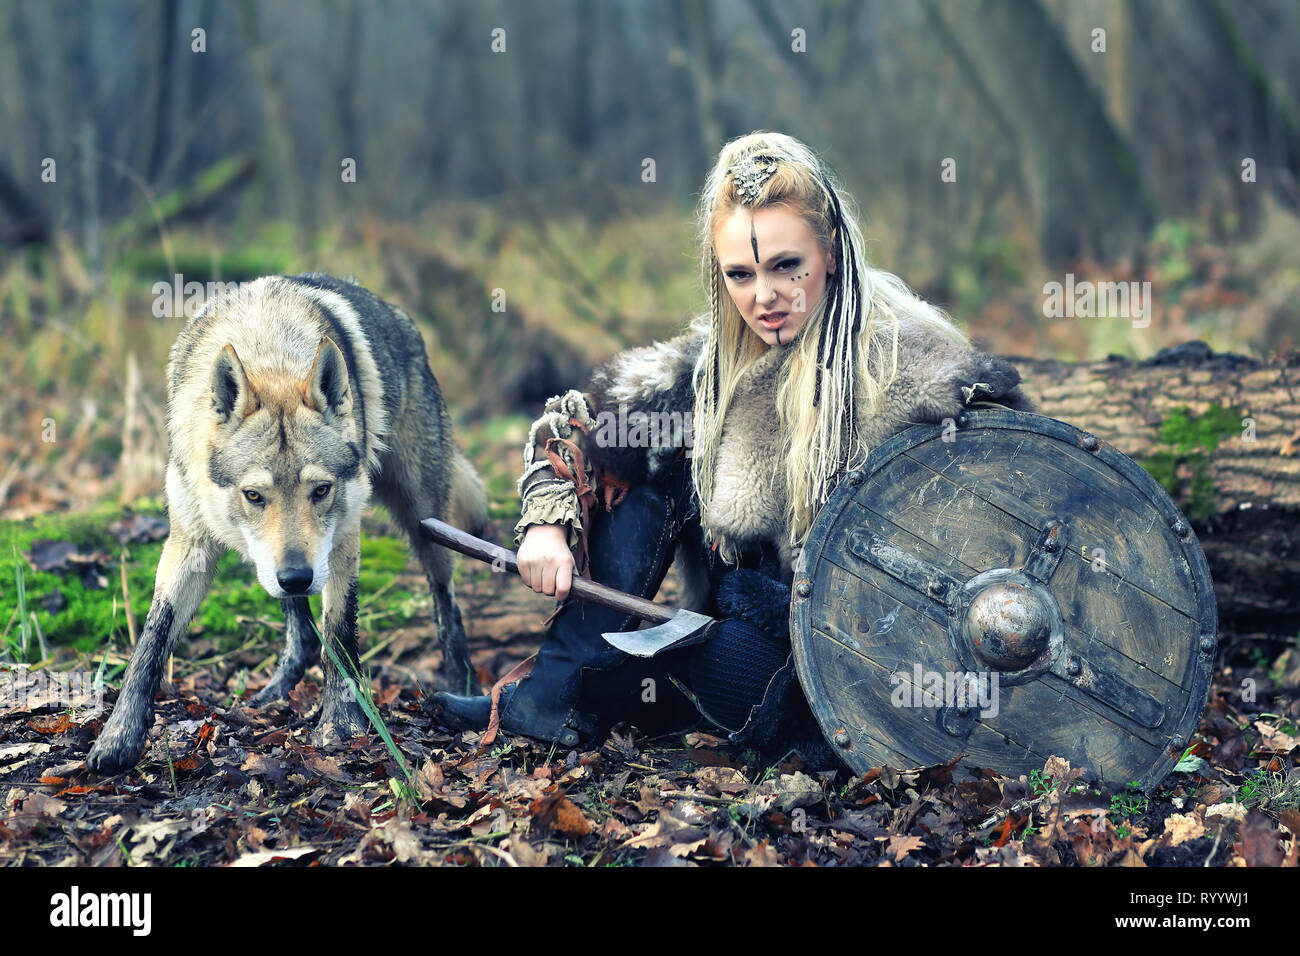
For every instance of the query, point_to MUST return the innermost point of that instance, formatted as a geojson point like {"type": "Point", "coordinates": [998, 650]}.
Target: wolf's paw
{"type": "Point", "coordinates": [117, 749]}
{"type": "Point", "coordinates": [275, 692]}
{"type": "Point", "coordinates": [340, 722]}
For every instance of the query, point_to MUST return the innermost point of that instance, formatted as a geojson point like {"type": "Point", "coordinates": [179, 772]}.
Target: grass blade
{"type": "Point", "coordinates": [361, 693]}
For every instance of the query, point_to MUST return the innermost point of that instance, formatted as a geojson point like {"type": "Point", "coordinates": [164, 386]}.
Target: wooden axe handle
{"type": "Point", "coordinates": [501, 559]}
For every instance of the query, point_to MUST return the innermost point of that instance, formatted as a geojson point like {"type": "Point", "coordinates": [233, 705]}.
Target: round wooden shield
{"type": "Point", "coordinates": [1003, 589]}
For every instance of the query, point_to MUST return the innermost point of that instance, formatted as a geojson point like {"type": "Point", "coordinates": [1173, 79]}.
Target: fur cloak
{"type": "Point", "coordinates": [626, 413]}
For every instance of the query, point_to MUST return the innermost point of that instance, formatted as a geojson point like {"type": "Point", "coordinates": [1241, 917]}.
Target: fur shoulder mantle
{"type": "Point", "coordinates": [649, 385]}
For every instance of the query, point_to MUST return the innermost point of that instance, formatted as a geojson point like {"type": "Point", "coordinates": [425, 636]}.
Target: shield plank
{"type": "Point", "coordinates": [1000, 590]}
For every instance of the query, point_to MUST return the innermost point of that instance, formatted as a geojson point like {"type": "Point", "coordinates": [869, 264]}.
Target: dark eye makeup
{"type": "Point", "coordinates": [740, 275]}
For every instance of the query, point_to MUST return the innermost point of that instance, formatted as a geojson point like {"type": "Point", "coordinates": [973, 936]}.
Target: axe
{"type": "Point", "coordinates": [675, 627]}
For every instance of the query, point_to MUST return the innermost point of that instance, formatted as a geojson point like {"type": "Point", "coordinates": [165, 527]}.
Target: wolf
{"type": "Point", "coordinates": [291, 399]}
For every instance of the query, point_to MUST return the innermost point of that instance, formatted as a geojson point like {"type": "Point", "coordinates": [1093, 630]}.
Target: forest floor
{"type": "Point", "coordinates": [225, 784]}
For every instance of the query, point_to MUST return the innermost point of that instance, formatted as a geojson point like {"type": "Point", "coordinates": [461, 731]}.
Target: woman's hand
{"type": "Point", "coordinates": [545, 561]}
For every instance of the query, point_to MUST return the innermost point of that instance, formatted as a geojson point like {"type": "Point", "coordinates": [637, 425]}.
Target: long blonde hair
{"type": "Point", "coordinates": [841, 362]}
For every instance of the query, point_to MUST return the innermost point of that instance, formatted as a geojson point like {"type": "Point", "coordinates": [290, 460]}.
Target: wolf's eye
{"type": "Point", "coordinates": [252, 496]}
{"type": "Point", "coordinates": [320, 492]}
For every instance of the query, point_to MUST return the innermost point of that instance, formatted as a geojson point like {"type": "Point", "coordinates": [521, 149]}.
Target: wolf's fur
{"type": "Point", "coordinates": [308, 392]}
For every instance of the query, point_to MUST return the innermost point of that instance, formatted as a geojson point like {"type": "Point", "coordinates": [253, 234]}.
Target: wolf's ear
{"type": "Point", "coordinates": [231, 393]}
{"type": "Point", "coordinates": [327, 383]}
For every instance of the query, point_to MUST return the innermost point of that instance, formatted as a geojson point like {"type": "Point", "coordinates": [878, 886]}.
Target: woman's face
{"type": "Point", "coordinates": [774, 269]}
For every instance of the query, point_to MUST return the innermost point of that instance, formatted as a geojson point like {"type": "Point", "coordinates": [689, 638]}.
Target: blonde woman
{"type": "Point", "coordinates": [721, 446]}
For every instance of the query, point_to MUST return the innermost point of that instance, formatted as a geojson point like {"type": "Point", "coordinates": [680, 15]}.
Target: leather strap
{"type": "Point", "coordinates": [519, 671]}
{"type": "Point", "coordinates": [585, 492]}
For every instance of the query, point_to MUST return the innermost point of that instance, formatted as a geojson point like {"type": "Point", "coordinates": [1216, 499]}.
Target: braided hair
{"type": "Point", "coordinates": [845, 355]}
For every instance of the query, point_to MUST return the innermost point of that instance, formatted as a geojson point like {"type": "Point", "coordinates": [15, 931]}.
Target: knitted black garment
{"type": "Point", "coordinates": [758, 599]}
{"type": "Point", "coordinates": [730, 673]}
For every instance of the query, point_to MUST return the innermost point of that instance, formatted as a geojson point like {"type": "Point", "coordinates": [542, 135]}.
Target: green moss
{"type": "Point", "coordinates": [1186, 432]}
{"type": "Point", "coordinates": [1182, 466]}
{"type": "Point", "coordinates": [95, 617]}
{"type": "Point", "coordinates": [91, 615]}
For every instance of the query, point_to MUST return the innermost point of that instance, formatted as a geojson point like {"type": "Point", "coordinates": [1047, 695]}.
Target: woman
{"type": "Point", "coordinates": [807, 359]}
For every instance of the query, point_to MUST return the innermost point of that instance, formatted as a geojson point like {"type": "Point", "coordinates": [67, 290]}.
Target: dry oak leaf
{"type": "Point", "coordinates": [528, 855]}
{"type": "Point", "coordinates": [34, 804]}
{"type": "Point", "coordinates": [328, 767]}
{"type": "Point", "coordinates": [900, 846]}
{"type": "Point", "coordinates": [18, 750]}
{"type": "Point", "coordinates": [1228, 811]}
{"type": "Point", "coordinates": [54, 724]}
{"type": "Point", "coordinates": [1058, 769]}
{"type": "Point", "coordinates": [265, 765]}
{"type": "Point", "coordinates": [431, 785]}
{"type": "Point", "coordinates": [402, 839]}
{"type": "Point", "coordinates": [669, 830]}
{"type": "Point", "coordinates": [1012, 854]}
{"type": "Point", "coordinates": [1182, 827]}
{"type": "Point", "coordinates": [1274, 739]}
{"type": "Point", "coordinates": [721, 780]}
{"type": "Point", "coordinates": [156, 837]}
{"type": "Point", "coordinates": [1259, 842]}
{"type": "Point", "coordinates": [268, 856]}
{"type": "Point", "coordinates": [559, 814]}
{"type": "Point", "coordinates": [763, 855]}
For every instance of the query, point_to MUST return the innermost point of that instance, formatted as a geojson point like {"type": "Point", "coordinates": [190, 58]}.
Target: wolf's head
{"type": "Point", "coordinates": [287, 463]}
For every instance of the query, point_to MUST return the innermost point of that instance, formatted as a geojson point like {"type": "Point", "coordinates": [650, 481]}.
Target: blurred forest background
{"type": "Point", "coordinates": [552, 150]}
{"type": "Point", "coordinates": [453, 155]}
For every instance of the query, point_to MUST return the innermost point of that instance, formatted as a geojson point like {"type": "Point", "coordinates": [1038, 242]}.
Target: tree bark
{"type": "Point", "coordinates": [1224, 430]}
{"type": "Point", "coordinates": [160, 139]}
{"type": "Point", "coordinates": [693, 24]}
{"type": "Point", "coordinates": [1082, 175]}
{"type": "Point", "coordinates": [27, 223]}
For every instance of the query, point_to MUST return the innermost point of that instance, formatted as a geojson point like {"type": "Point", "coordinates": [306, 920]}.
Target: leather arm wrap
{"type": "Point", "coordinates": [545, 497]}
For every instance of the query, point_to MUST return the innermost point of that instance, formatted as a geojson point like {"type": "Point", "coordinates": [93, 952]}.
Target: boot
{"type": "Point", "coordinates": [629, 548]}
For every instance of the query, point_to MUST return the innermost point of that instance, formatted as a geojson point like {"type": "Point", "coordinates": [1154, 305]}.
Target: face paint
{"type": "Point", "coordinates": [753, 239]}
{"type": "Point", "coordinates": [795, 255]}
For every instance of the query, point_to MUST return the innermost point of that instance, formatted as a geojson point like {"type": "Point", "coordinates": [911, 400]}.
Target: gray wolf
{"type": "Point", "coordinates": [289, 400]}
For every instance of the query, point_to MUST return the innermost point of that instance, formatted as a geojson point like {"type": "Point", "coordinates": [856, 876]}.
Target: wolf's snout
{"type": "Point", "coordinates": [295, 578]}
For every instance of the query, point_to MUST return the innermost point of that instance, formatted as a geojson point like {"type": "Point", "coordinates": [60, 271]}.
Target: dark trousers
{"type": "Point", "coordinates": [631, 548]}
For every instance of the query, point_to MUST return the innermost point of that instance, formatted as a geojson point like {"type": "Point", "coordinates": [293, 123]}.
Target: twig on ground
{"type": "Point", "coordinates": [1020, 806]}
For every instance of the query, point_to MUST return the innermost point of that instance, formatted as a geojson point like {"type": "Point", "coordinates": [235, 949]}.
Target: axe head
{"type": "Point", "coordinates": [685, 628]}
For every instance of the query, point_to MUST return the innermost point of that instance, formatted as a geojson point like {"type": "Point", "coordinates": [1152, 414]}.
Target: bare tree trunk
{"type": "Point", "coordinates": [581, 133]}
{"type": "Point", "coordinates": [1082, 176]}
{"type": "Point", "coordinates": [162, 104]}
{"type": "Point", "coordinates": [283, 171]}
{"type": "Point", "coordinates": [1247, 109]}
{"type": "Point", "coordinates": [28, 224]}
{"type": "Point", "coordinates": [348, 140]}
{"type": "Point", "coordinates": [694, 24]}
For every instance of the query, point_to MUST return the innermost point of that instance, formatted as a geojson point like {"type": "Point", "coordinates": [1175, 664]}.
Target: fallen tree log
{"type": "Point", "coordinates": [1221, 432]}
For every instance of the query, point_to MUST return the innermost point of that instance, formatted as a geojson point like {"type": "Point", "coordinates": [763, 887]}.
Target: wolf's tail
{"type": "Point", "coordinates": [468, 497]}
